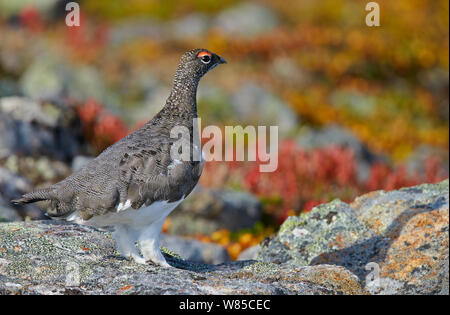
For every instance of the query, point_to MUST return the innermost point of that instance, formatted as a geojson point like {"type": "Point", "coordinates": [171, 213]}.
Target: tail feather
{"type": "Point", "coordinates": [34, 196]}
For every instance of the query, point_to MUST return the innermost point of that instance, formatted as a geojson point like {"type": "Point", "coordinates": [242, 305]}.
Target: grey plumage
{"type": "Point", "coordinates": [136, 168]}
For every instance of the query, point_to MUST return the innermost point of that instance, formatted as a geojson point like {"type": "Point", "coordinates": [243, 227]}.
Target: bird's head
{"type": "Point", "coordinates": [197, 62]}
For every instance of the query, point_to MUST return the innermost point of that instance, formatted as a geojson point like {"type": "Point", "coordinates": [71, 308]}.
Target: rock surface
{"type": "Point", "coordinates": [246, 19]}
{"type": "Point", "coordinates": [253, 103]}
{"type": "Point", "coordinates": [383, 243]}
{"type": "Point", "coordinates": [47, 257]}
{"type": "Point", "coordinates": [12, 186]}
{"type": "Point", "coordinates": [400, 235]}
{"type": "Point", "coordinates": [249, 253]}
{"type": "Point", "coordinates": [333, 226]}
{"type": "Point", "coordinates": [31, 128]}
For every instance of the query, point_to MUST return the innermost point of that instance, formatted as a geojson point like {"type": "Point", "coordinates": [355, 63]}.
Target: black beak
{"type": "Point", "coordinates": [221, 60]}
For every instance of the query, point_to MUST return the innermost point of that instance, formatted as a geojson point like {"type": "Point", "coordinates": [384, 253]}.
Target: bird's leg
{"type": "Point", "coordinates": [125, 243]}
{"type": "Point", "coordinates": [149, 243]}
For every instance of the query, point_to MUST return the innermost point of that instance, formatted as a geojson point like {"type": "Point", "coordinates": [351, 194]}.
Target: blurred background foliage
{"type": "Point", "coordinates": [359, 108]}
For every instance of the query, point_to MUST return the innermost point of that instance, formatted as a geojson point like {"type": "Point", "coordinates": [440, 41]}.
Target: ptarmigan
{"type": "Point", "coordinates": [135, 183]}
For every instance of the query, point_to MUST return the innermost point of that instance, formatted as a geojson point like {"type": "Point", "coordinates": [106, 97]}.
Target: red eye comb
{"type": "Point", "coordinates": [203, 53]}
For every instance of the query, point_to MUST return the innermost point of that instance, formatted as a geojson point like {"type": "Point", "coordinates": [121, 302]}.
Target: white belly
{"type": "Point", "coordinates": [142, 217]}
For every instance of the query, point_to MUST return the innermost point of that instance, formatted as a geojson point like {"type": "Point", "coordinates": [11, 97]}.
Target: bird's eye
{"type": "Point", "coordinates": [206, 59]}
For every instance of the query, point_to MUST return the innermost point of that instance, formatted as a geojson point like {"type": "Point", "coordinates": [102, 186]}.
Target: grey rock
{"type": "Point", "coordinates": [31, 128]}
{"type": "Point", "coordinates": [8, 214]}
{"type": "Point", "coordinates": [190, 26]}
{"type": "Point", "coordinates": [400, 235]}
{"type": "Point", "coordinates": [48, 257]}
{"type": "Point", "coordinates": [246, 19]}
{"type": "Point", "coordinates": [334, 249]}
{"type": "Point", "coordinates": [195, 251]}
{"type": "Point", "coordinates": [326, 228]}
{"type": "Point", "coordinates": [335, 135]}
{"type": "Point", "coordinates": [84, 83]}
{"type": "Point", "coordinates": [155, 95]}
{"type": "Point", "coordinates": [52, 78]}
{"type": "Point", "coordinates": [411, 244]}
{"type": "Point", "coordinates": [254, 104]}
{"type": "Point", "coordinates": [133, 29]}
{"type": "Point", "coordinates": [44, 78]}
{"type": "Point", "coordinates": [380, 210]}
{"type": "Point", "coordinates": [207, 210]}
{"type": "Point", "coordinates": [249, 253]}
{"type": "Point", "coordinates": [13, 186]}
{"type": "Point", "coordinates": [287, 71]}
{"type": "Point", "coordinates": [39, 169]}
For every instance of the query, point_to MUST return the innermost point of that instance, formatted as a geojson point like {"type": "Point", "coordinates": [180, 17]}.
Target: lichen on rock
{"type": "Point", "coordinates": [403, 234]}
{"type": "Point", "coordinates": [50, 257]}
{"type": "Point", "coordinates": [328, 227]}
